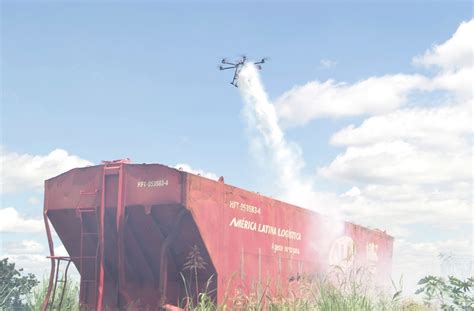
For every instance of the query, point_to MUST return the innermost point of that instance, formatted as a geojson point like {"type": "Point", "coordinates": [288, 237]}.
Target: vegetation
{"type": "Point", "coordinates": [451, 294]}
{"type": "Point", "coordinates": [14, 286]}
{"type": "Point", "coordinates": [69, 294]}
{"type": "Point", "coordinates": [337, 291]}
{"type": "Point", "coordinates": [194, 263]}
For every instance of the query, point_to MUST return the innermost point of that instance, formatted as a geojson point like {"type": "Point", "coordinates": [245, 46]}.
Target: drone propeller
{"type": "Point", "coordinates": [243, 58]}
{"type": "Point", "coordinates": [262, 61]}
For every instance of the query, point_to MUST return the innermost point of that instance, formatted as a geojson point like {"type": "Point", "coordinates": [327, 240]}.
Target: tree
{"type": "Point", "coordinates": [13, 286]}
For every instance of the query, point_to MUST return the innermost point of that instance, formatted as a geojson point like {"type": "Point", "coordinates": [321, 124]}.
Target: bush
{"type": "Point", "coordinates": [70, 295]}
{"type": "Point", "coordinates": [451, 294]}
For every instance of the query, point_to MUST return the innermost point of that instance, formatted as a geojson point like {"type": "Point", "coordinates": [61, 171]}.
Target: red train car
{"type": "Point", "coordinates": [135, 231]}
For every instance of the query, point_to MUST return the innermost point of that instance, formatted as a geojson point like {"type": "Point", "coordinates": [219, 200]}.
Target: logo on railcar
{"type": "Point", "coordinates": [372, 257]}
{"type": "Point", "coordinates": [342, 252]}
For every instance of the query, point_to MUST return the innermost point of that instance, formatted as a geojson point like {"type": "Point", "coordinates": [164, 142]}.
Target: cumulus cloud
{"type": "Point", "coordinates": [23, 172]}
{"type": "Point", "coordinates": [410, 146]}
{"type": "Point", "coordinates": [396, 206]}
{"type": "Point", "coordinates": [37, 264]}
{"type": "Point", "coordinates": [414, 165]}
{"type": "Point", "coordinates": [399, 162]}
{"type": "Point", "coordinates": [12, 221]}
{"type": "Point", "coordinates": [455, 53]}
{"type": "Point", "coordinates": [440, 127]}
{"type": "Point", "coordinates": [187, 168]}
{"type": "Point", "coordinates": [31, 256]}
{"type": "Point", "coordinates": [374, 95]}
{"type": "Point", "coordinates": [26, 254]}
{"type": "Point", "coordinates": [379, 95]}
{"type": "Point", "coordinates": [23, 247]}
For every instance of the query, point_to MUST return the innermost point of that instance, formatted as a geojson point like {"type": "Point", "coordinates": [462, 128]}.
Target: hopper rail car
{"type": "Point", "coordinates": [129, 229]}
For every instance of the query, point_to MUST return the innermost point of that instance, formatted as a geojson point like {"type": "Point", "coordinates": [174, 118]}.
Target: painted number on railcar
{"type": "Point", "coordinates": [152, 183]}
{"type": "Point", "coordinates": [244, 207]}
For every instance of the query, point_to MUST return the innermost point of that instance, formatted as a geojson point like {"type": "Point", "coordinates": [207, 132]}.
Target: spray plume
{"type": "Point", "coordinates": [284, 158]}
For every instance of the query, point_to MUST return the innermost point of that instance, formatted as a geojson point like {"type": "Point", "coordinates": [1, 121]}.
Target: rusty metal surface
{"type": "Point", "coordinates": [148, 217]}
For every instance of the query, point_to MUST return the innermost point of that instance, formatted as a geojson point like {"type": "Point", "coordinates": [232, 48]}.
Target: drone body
{"type": "Point", "coordinates": [238, 65]}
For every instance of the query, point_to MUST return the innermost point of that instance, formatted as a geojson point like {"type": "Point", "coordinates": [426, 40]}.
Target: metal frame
{"type": "Point", "coordinates": [109, 168]}
{"type": "Point", "coordinates": [56, 262]}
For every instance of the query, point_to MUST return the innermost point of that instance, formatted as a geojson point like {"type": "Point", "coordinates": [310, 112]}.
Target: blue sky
{"type": "Point", "coordinates": [119, 79]}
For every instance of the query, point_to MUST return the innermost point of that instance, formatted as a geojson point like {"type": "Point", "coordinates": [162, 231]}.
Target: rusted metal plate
{"type": "Point", "coordinates": [148, 218]}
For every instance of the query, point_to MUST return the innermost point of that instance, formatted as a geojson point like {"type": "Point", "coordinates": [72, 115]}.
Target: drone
{"type": "Point", "coordinates": [238, 65]}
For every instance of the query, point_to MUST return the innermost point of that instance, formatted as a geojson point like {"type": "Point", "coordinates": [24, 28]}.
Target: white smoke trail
{"type": "Point", "coordinates": [285, 159]}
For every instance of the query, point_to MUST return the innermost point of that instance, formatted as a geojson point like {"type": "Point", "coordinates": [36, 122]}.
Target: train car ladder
{"type": "Point", "coordinates": [88, 235]}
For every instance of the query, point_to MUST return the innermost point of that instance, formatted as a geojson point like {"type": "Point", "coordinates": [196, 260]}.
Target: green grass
{"type": "Point", "coordinates": [70, 296]}
{"type": "Point", "coordinates": [338, 291]}
{"type": "Point", "coordinates": [335, 292]}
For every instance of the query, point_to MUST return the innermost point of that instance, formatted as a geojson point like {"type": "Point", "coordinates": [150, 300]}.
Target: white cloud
{"type": "Point", "coordinates": [353, 192]}
{"type": "Point", "coordinates": [395, 206]}
{"type": "Point", "coordinates": [31, 263]}
{"type": "Point", "coordinates": [439, 127]}
{"type": "Point", "coordinates": [414, 165]}
{"type": "Point", "coordinates": [23, 172]}
{"type": "Point", "coordinates": [455, 53]}
{"type": "Point", "coordinates": [34, 201]}
{"type": "Point", "coordinates": [23, 247]}
{"type": "Point", "coordinates": [187, 168]}
{"type": "Point", "coordinates": [374, 95]}
{"type": "Point", "coordinates": [12, 221]}
{"type": "Point", "coordinates": [327, 63]}
{"type": "Point", "coordinates": [60, 251]}
{"type": "Point", "coordinates": [399, 162]}
{"type": "Point", "coordinates": [27, 254]}
{"type": "Point", "coordinates": [32, 257]}
{"type": "Point", "coordinates": [378, 95]}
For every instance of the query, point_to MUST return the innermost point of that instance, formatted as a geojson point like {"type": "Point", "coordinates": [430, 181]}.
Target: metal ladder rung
{"type": "Point", "coordinates": [85, 257]}
{"type": "Point", "coordinates": [87, 210]}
